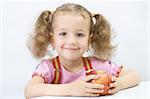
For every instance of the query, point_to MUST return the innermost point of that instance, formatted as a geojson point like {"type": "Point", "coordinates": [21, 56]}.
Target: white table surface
{"type": "Point", "coordinates": [137, 92]}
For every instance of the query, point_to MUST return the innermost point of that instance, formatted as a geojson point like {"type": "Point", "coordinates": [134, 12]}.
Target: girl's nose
{"type": "Point", "coordinates": [71, 40]}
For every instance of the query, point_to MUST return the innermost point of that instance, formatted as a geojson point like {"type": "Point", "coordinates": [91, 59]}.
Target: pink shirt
{"type": "Point", "coordinates": [45, 70]}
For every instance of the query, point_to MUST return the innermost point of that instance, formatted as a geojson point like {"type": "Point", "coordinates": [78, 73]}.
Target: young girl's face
{"type": "Point", "coordinates": [71, 36]}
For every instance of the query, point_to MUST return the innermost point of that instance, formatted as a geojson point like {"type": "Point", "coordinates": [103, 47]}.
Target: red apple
{"type": "Point", "coordinates": [104, 79]}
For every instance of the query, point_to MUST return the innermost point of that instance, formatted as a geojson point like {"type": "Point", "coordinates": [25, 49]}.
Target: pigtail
{"type": "Point", "coordinates": [41, 37]}
{"type": "Point", "coordinates": [101, 40]}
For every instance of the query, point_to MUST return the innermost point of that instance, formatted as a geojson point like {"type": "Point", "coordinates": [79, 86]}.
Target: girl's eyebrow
{"type": "Point", "coordinates": [63, 28]}
{"type": "Point", "coordinates": [60, 28]}
{"type": "Point", "coordinates": [80, 29]}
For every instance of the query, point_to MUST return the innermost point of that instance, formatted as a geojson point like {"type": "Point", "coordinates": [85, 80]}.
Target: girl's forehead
{"type": "Point", "coordinates": [85, 15]}
{"type": "Point", "coordinates": [70, 19]}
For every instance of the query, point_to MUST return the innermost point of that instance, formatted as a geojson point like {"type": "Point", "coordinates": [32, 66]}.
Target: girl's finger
{"type": "Point", "coordinates": [112, 91]}
{"type": "Point", "coordinates": [93, 85]}
{"type": "Point", "coordinates": [112, 85]}
{"type": "Point", "coordinates": [90, 77]}
{"type": "Point", "coordinates": [114, 78]}
{"type": "Point", "coordinates": [92, 94]}
{"type": "Point", "coordinates": [90, 90]}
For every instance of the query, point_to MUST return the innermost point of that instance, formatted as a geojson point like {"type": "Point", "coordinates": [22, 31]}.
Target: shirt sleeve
{"type": "Point", "coordinates": [43, 70]}
{"type": "Point", "coordinates": [115, 69]}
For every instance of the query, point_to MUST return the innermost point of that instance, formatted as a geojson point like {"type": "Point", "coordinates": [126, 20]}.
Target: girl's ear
{"type": "Point", "coordinates": [91, 35]}
{"type": "Point", "coordinates": [90, 38]}
{"type": "Point", "coordinates": [50, 38]}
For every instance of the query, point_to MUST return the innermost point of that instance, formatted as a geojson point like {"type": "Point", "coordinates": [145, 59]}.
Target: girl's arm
{"type": "Point", "coordinates": [36, 87]}
{"type": "Point", "coordinates": [126, 79]}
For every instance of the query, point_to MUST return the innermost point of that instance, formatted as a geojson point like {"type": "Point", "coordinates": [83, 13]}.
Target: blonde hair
{"type": "Point", "coordinates": [101, 32]}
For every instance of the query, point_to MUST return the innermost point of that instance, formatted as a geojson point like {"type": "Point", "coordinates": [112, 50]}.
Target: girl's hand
{"type": "Point", "coordinates": [115, 86]}
{"type": "Point", "coordinates": [85, 88]}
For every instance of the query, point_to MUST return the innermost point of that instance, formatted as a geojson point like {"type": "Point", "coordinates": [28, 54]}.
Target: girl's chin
{"type": "Point", "coordinates": [72, 57]}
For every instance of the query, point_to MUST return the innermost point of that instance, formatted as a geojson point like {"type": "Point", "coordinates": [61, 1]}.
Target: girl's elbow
{"type": "Point", "coordinates": [27, 92]}
{"type": "Point", "coordinates": [135, 75]}
{"type": "Point", "coordinates": [139, 78]}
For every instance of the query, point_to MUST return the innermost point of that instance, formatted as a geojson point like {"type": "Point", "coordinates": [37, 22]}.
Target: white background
{"type": "Point", "coordinates": [129, 20]}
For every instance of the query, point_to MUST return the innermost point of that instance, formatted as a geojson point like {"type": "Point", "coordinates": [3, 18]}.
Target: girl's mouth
{"type": "Point", "coordinates": [72, 48]}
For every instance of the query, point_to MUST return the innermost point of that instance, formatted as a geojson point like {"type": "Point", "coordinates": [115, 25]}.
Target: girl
{"type": "Point", "coordinates": [72, 30]}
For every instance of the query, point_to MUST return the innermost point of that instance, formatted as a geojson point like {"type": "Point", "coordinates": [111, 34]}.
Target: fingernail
{"type": "Point", "coordinates": [102, 91]}
{"type": "Point", "coordinates": [102, 86]}
{"type": "Point", "coordinates": [110, 84]}
{"type": "Point", "coordinates": [97, 76]}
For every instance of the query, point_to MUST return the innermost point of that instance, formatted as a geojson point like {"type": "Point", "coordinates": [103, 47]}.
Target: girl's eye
{"type": "Point", "coordinates": [80, 35]}
{"type": "Point", "coordinates": [63, 34]}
